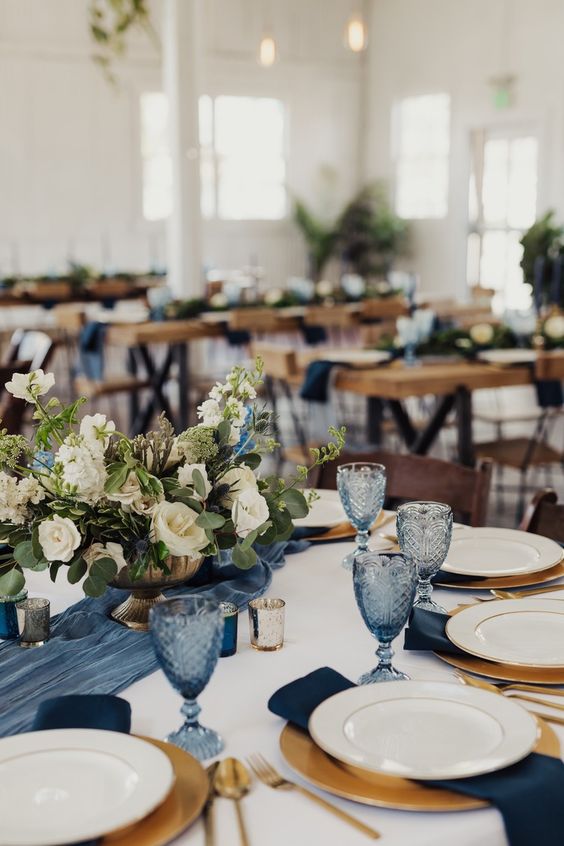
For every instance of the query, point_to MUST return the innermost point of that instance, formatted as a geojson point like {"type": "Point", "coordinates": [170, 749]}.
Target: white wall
{"type": "Point", "coordinates": [427, 46]}
{"type": "Point", "coordinates": [69, 143]}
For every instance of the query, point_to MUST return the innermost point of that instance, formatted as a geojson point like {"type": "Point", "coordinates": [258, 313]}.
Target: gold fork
{"type": "Point", "coordinates": [272, 778]}
{"type": "Point", "coordinates": [483, 685]}
{"type": "Point", "coordinates": [506, 594]}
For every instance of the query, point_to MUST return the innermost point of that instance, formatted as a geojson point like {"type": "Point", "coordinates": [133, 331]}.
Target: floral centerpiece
{"type": "Point", "coordinates": [87, 502]}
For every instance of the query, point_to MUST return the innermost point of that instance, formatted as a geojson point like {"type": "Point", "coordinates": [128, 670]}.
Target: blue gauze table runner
{"type": "Point", "coordinates": [90, 653]}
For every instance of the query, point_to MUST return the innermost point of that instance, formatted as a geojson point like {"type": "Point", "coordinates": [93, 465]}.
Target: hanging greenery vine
{"type": "Point", "coordinates": [110, 21]}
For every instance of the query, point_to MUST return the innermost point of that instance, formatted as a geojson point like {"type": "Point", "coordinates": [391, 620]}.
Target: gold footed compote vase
{"type": "Point", "coordinates": [146, 591]}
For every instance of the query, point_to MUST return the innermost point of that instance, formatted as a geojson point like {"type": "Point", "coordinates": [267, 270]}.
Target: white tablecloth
{"type": "Point", "coordinates": [323, 628]}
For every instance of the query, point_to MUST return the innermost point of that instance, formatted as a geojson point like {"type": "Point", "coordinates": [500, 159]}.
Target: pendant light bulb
{"type": "Point", "coordinates": [267, 51]}
{"type": "Point", "coordinates": [355, 34]}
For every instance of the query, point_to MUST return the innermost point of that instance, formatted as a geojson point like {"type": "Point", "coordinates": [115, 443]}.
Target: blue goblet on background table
{"type": "Point", "coordinates": [187, 634]}
{"type": "Point", "coordinates": [361, 486]}
{"type": "Point", "coordinates": [424, 531]}
{"type": "Point", "coordinates": [384, 588]}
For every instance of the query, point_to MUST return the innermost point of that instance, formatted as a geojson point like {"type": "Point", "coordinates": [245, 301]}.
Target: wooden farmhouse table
{"type": "Point", "coordinates": [452, 383]}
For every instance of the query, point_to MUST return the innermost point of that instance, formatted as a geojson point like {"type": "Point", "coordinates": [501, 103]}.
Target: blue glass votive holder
{"type": "Point", "coordinates": [8, 615]}
{"type": "Point", "coordinates": [231, 616]}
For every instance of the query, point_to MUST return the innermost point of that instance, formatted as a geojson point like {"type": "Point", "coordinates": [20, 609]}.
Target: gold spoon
{"type": "Point", "coordinates": [232, 781]}
{"type": "Point", "coordinates": [506, 594]}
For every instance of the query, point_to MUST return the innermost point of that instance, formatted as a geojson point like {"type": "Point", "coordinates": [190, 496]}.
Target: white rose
{"type": "Point", "coordinates": [96, 430]}
{"type": "Point", "coordinates": [324, 288]}
{"type": "Point", "coordinates": [554, 326]}
{"type": "Point", "coordinates": [186, 477]}
{"type": "Point", "coordinates": [273, 296]}
{"type": "Point", "coordinates": [219, 300]}
{"type": "Point", "coordinates": [29, 386]}
{"type": "Point", "coordinates": [174, 523]}
{"type": "Point", "coordinates": [110, 550]}
{"type": "Point", "coordinates": [83, 471]}
{"type": "Point", "coordinates": [482, 333]}
{"type": "Point", "coordinates": [58, 538]}
{"type": "Point", "coordinates": [129, 491]}
{"type": "Point", "coordinates": [145, 505]}
{"type": "Point", "coordinates": [239, 479]}
{"type": "Point", "coordinates": [249, 511]}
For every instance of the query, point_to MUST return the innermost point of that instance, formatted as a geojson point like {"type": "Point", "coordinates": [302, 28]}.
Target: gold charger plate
{"type": "Point", "coordinates": [506, 582]}
{"type": "Point", "coordinates": [503, 672]}
{"type": "Point", "coordinates": [346, 530]}
{"type": "Point", "coordinates": [182, 806]}
{"type": "Point", "coordinates": [320, 769]}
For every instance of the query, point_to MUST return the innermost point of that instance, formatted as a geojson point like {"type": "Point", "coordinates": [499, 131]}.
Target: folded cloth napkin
{"type": "Point", "coordinates": [442, 577]}
{"type": "Point", "coordinates": [426, 631]}
{"type": "Point", "coordinates": [305, 533]}
{"type": "Point", "coordinates": [91, 350]}
{"type": "Point", "coordinates": [527, 794]}
{"type": "Point", "coordinates": [316, 383]}
{"type": "Point", "coordinates": [94, 711]}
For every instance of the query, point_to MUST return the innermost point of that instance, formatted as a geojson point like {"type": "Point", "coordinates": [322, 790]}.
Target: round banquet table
{"type": "Point", "coordinates": [323, 628]}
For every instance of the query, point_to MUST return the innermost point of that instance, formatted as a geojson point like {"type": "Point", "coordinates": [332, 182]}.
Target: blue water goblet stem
{"type": "Point", "coordinates": [362, 487]}
{"type": "Point", "coordinates": [187, 634]}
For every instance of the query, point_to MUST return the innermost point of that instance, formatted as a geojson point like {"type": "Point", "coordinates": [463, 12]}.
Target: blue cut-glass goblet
{"type": "Point", "coordinates": [187, 634]}
{"type": "Point", "coordinates": [361, 486]}
{"type": "Point", "coordinates": [384, 588]}
{"type": "Point", "coordinates": [424, 531]}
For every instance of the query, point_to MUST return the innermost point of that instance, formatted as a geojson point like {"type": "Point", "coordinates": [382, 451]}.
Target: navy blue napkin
{"type": "Point", "coordinates": [316, 383]}
{"type": "Point", "coordinates": [426, 631]}
{"type": "Point", "coordinates": [528, 794]}
{"type": "Point", "coordinates": [444, 578]}
{"type": "Point", "coordinates": [91, 350]}
{"type": "Point", "coordinates": [91, 711]}
{"type": "Point", "coordinates": [313, 335]}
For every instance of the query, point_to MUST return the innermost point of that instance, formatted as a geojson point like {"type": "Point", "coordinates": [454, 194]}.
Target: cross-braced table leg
{"type": "Point", "coordinates": [157, 376]}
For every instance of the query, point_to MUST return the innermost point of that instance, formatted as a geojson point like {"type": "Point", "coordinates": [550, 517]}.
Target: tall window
{"type": "Point", "coordinates": [502, 205]}
{"type": "Point", "coordinates": [421, 145]}
{"type": "Point", "coordinates": [242, 158]}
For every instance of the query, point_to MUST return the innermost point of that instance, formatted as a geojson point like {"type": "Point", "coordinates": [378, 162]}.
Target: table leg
{"type": "Point", "coordinates": [133, 395]}
{"type": "Point", "coordinates": [374, 416]}
{"type": "Point", "coordinates": [183, 359]}
{"type": "Point", "coordinates": [466, 454]}
{"type": "Point", "coordinates": [424, 440]}
{"type": "Point", "coordinates": [406, 428]}
{"type": "Point", "coordinates": [157, 377]}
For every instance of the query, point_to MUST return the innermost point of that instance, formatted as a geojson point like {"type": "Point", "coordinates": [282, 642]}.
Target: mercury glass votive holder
{"type": "Point", "coordinates": [33, 621]}
{"type": "Point", "coordinates": [8, 615]}
{"type": "Point", "coordinates": [266, 624]}
{"type": "Point", "coordinates": [231, 617]}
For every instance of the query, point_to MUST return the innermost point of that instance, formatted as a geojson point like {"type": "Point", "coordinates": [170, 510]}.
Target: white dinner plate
{"type": "Point", "coordinates": [423, 730]}
{"type": "Point", "coordinates": [512, 356]}
{"type": "Point", "coordinates": [325, 512]}
{"type": "Point", "coordinates": [69, 785]}
{"type": "Point", "coordinates": [523, 632]}
{"type": "Point", "coordinates": [362, 358]}
{"type": "Point", "coordinates": [492, 552]}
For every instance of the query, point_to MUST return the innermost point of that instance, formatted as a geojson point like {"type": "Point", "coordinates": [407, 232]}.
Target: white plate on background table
{"type": "Point", "coordinates": [508, 357]}
{"type": "Point", "coordinates": [522, 632]}
{"type": "Point", "coordinates": [362, 358]}
{"type": "Point", "coordinates": [493, 552]}
{"type": "Point", "coordinates": [423, 730]}
{"type": "Point", "coordinates": [70, 785]}
{"type": "Point", "coordinates": [325, 512]}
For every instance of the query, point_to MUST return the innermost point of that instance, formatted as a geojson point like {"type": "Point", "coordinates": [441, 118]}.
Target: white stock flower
{"type": "Point", "coordinates": [96, 430]}
{"type": "Point", "coordinates": [554, 326]}
{"type": "Point", "coordinates": [129, 491]}
{"type": "Point", "coordinates": [249, 511]}
{"type": "Point", "coordinates": [16, 495]}
{"type": "Point", "coordinates": [236, 412]}
{"type": "Point", "coordinates": [83, 471]}
{"type": "Point", "coordinates": [246, 390]}
{"type": "Point", "coordinates": [58, 538]}
{"type": "Point", "coordinates": [174, 523]}
{"type": "Point", "coordinates": [110, 550]}
{"type": "Point", "coordinates": [482, 333]}
{"type": "Point", "coordinates": [239, 479]}
{"type": "Point", "coordinates": [186, 477]}
{"type": "Point", "coordinates": [30, 386]}
{"type": "Point", "coordinates": [210, 413]}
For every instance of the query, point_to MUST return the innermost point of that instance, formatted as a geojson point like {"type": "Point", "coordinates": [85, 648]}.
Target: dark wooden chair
{"type": "Point", "coordinates": [30, 350]}
{"type": "Point", "coordinates": [545, 516]}
{"type": "Point", "coordinates": [416, 477]}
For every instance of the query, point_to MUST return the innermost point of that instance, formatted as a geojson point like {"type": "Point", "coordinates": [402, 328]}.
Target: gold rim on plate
{"type": "Point", "coordinates": [503, 672]}
{"type": "Point", "coordinates": [182, 806]}
{"type": "Point", "coordinates": [323, 771]}
{"type": "Point", "coordinates": [506, 582]}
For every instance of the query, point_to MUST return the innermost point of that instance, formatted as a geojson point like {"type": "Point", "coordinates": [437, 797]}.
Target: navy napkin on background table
{"type": "Point", "coordinates": [426, 631]}
{"type": "Point", "coordinates": [442, 577]}
{"type": "Point", "coordinates": [528, 794]}
{"type": "Point", "coordinates": [316, 382]}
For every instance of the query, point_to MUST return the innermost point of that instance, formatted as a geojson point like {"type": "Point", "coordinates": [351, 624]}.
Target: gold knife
{"type": "Point", "coordinates": [208, 807]}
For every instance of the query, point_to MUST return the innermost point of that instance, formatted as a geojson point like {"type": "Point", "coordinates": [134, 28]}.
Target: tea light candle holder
{"type": "Point", "coordinates": [266, 624]}
{"type": "Point", "coordinates": [8, 615]}
{"type": "Point", "coordinates": [33, 621]}
{"type": "Point", "coordinates": [231, 618]}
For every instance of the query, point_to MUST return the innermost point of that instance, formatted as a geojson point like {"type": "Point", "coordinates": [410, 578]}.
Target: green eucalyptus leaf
{"type": "Point", "coordinates": [103, 569]}
{"type": "Point", "coordinates": [224, 431]}
{"type": "Point", "coordinates": [93, 587]}
{"type": "Point", "coordinates": [76, 570]}
{"type": "Point", "coordinates": [295, 502]}
{"type": "Point", "coordinates": [244, 559]}
{"type": "Point", "coordinates": [210, 520]}
{"type": "Point", "coordinates": [199, 484]}
{"type": "Point", "coordinates": [251, 459]}
{"type": "Point", "coordinates": [12, 582]}
{"type": "Point", "coordinates": [24, 555]}
{"type": "Point", "coordinates": [54, 569]}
